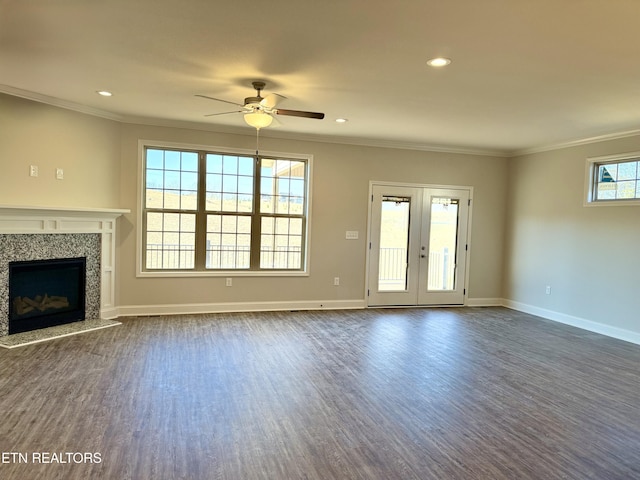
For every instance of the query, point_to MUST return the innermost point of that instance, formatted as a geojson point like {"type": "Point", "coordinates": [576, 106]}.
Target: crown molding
{"type": "Point", "coordinates": [57, 102]}
{"type": "Point", "coordinates": [159, 122]}
{"type": "Point", "coordinates": [335, 139]}
{"type": "Point", "coordinates": [577, 143]}
{"type": "Point", "coordinates": [381, 143]}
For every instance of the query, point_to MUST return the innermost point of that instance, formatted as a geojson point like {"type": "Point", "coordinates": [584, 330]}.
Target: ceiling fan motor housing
{"type": "Point", "coordinates": [253, 101]}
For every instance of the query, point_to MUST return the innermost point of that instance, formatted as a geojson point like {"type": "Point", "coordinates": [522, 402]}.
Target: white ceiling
{"type": "Point", "coordinates": [525, 73]}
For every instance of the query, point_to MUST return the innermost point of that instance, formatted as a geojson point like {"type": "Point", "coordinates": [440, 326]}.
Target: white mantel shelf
{"type": "Point", "coordinates": [78, 210]}
{"type": "Point", "coordinates": [23, 219]}
{"type": "Point", "coordinates": [48, 211]}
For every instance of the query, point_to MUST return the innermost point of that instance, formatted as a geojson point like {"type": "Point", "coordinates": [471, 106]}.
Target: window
{"type": "Point", "coordinates": [614, 179]}
{"type": "Point", "coordinates": [209, 211]}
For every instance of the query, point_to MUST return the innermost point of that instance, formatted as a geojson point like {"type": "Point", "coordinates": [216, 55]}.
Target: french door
{"type": "Point", "coordinates": [418, 245]}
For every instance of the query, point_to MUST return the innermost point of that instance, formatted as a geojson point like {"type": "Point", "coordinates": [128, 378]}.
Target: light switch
{"type": "Point", "coordinates": [352, 235]}
{"type": "Point", "coordinates": [59, 173]}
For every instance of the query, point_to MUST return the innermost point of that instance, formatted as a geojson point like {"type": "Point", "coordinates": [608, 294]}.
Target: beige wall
{"type": "Point", "coordinates": [100, 160]}
{"type": "Point", "coordinates": [530, 228]}
{"type": "Point", "coordinates": [86, 147]}
{"type": "Point", "coordinates": [341, 176]}
{"type": "Point", "coordinates": [588, 255]}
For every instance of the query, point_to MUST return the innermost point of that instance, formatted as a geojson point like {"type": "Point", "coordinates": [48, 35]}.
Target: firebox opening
{"type": "Point", "coordinates": [45, 293]}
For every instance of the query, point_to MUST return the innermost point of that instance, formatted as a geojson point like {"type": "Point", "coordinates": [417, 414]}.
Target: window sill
{"type": "Point", "coordinates": [612, 203]}
{"type": "Point", "coordinates": [219, 274]}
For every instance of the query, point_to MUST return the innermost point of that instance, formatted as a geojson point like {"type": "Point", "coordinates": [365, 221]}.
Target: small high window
{"type": "Point", "coordinates": [614, 179]}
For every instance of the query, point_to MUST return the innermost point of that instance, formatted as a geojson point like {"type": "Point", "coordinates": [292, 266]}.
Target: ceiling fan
{"type": "Point", "coordinates": [258, 111]}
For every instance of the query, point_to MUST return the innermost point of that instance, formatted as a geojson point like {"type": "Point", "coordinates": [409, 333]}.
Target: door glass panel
{"type": "Point", "coordinates": [443, 239]}
{"type": "Point", "coordinates": [394, 243]}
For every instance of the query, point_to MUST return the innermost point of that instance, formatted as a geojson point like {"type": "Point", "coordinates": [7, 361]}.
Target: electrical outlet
{"type": "Point", "coordinates": [59, 174]}
{"type": "Point", "coordinates": [336, 281]}
{"type": "Point", "coordinates": [33, 170]}
{"type": "Point", "coordinates": [229, 282]}
{"type": "Point", "coordinates": [548, 290]}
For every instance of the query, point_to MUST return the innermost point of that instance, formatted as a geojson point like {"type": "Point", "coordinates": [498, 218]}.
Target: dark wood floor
{"type": "Point", "coordinates": [475, 393]}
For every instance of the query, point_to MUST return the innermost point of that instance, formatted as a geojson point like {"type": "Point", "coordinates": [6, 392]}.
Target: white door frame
{"type": "Point", "coordinates": [367, 287]}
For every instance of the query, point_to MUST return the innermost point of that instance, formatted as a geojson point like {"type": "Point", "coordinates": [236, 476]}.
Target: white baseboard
{"type": "Point", "coordinates": [484, 302]}
{"type": "Point", "coordinates": [194, 308]}
{"type": "Point", "coordinates": [591, 326]}
{"type": "Point", "coordinates": [183, 309]}
{"type": "Point", "coordinates": [109, 313]}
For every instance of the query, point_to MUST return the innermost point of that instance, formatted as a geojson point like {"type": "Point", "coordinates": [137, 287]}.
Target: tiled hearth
{"type": "Point", "coordinates": [38, 233]}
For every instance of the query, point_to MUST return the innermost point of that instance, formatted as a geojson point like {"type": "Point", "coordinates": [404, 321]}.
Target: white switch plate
{"type": "Point", "coordinates": [352, 235]}
{"type": "Point", "coordinates": [59, 173]}
{"type": "Point", "coordinates": [229, 282]}
{"type": "Point", "coordinates": [33, 170]}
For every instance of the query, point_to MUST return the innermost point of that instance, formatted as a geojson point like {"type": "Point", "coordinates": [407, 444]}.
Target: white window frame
{"type": "Point", "coordinates": [591, 174]}
{"type": "Point", "coordinates": [141, 272]}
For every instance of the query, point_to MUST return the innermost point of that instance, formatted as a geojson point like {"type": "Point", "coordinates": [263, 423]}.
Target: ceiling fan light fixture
{"type": "Point", "coordinates": [258, 119]}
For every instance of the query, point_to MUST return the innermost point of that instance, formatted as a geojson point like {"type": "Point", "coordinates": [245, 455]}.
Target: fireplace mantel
{"type": "Point", "coordinates": [17, 219]}
{"type": "Point", "coordinates": [28, 219]}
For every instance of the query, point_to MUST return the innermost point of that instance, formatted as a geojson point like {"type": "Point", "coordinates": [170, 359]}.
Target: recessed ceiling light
{"type": "Point", "coordinates": [342, 120]}
{"type": "Point", "coordinates": [438, 62]}
{"type": "Point", "coordinates": [104, 93]}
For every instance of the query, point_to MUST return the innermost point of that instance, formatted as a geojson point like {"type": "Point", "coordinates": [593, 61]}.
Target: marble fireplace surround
{"type": "Point", "coordinates": [58, 232]}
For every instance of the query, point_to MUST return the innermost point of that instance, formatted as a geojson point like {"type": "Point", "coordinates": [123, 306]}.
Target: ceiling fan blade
{"type": "Point", "coordinates": [275, 123]}
{"type": "Point", "coordinates": [225, 113]}
{"type": "Point", "coordinates": [299, 113]}
{"type": "Point", "coordinates": [220, 100]}
{"type": "Point", "coordinates": [270, 101]}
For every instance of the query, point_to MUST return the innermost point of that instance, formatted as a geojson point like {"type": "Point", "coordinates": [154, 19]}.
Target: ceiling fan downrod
{"type": "Point", "coordinates": [259, 86]}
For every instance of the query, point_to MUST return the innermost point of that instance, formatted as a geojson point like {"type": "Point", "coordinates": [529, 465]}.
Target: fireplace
{"type": "Point", "coordinates": [45, 293]}
{"type": "Point", "coordinates": [39, 233]}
